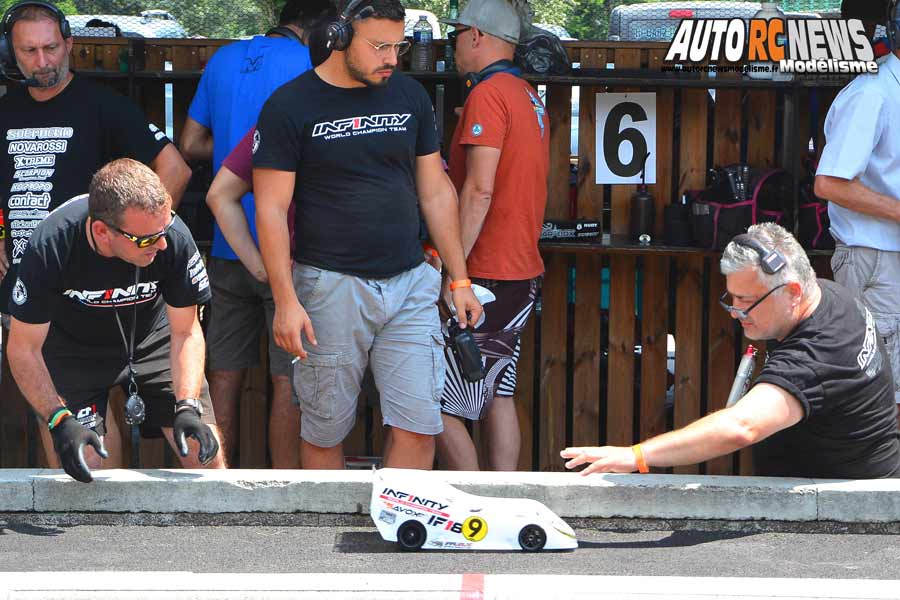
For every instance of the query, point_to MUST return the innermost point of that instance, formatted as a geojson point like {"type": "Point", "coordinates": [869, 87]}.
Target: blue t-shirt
{"type": "Point", "coordinates": [237, 81]}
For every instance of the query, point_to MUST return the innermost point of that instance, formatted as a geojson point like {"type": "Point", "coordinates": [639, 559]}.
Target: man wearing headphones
{"type": "Point", "coordinates": [354, 145]}
{"type": "Point", "coordinates": [859, 175]}
{"type": "Point", "coordinates": [499, 163]}
{"type": "Point", "coordinates": [59, 129]}
{"type": "Point", "coordinates": [823, 404]}
{"type": "Point", "coordinates": [236, 82]}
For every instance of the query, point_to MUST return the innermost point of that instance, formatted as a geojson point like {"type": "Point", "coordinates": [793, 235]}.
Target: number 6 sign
{"type": "Point", "coordinates": [626, 132]}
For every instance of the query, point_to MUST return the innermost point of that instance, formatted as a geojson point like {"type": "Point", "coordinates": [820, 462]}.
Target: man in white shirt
{"type": "Point", "coordinates": [859, 175]}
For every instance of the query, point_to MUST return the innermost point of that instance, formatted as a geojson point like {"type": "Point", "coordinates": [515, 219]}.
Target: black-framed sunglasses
{"type": "Point", "coordinates": [145, 241]}
{"type": "Point", "coordinates": [452, 35]}
{"type": "Point", "coordinates": [744, 314]}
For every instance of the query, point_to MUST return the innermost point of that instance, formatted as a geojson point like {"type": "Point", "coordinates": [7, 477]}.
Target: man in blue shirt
{"type": "Point", "coordinates": [235, 84]}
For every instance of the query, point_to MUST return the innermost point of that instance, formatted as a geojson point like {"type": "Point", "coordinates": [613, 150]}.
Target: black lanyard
{"type": "Point", "coordinates": [129, 345]}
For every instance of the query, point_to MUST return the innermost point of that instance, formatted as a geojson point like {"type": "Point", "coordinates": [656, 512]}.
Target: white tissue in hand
{"type": "Point", "coordinates": [483, 295]}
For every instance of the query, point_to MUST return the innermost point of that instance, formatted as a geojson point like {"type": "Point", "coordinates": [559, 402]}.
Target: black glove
{"type": "Point", "coordinates": [188, 424]}
{"type": "Point", "coordinates": [69, 440]}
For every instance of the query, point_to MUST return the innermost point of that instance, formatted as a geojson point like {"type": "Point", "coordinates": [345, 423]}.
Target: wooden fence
{"type": "Point", "coordinates": [592, 371]}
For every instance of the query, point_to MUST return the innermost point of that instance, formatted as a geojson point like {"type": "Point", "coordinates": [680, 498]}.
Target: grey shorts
{"type": "Point", "coordinates": [241, 307]}
{"type": "Point", "coordinates": [392, 325]}
{"type": "Point", "coordinates": [875, 275]}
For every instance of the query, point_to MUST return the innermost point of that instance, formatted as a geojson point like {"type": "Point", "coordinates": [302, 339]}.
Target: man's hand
{"type": "Point", "coordinates": [188, 424]}
{"type": "Point", "coordinates": [4, 262]}
{"type": "Point", "coordinates": [468, 309]}
{"type": "Point", "coordinates": [69, 439]}
{"type": "Point", "coordinates": [608, 459]}
{"type": "Point", "coordinates": [290, 320]}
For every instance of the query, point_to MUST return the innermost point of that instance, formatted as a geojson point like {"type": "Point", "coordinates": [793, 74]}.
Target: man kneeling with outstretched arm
{"type": "Point", "coordinates": [823, 405]}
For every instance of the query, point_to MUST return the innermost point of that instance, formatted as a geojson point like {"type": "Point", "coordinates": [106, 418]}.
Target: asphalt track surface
{"type": "Point", "coordinates": [266, 549]}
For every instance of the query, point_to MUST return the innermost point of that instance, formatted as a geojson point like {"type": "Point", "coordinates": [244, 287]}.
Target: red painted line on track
{"type": "Point", "coordinates": [472, 587]}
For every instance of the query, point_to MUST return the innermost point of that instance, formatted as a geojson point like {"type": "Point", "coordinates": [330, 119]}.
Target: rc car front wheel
{"type": "Point", "coordinates": [411, 535]}
{"type": "Point", "coordinates": [532, 538]}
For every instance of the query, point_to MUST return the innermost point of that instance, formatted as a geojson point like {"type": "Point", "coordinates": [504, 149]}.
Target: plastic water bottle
{"type": "Point", "coordinates": [449, 53]}
{"type": "Point", "coordinates": [422, 59]}
{"type": "Point", "coordinates": [768, 11]}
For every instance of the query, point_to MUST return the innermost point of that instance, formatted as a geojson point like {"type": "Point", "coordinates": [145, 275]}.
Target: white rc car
{"type": "Point", "coordinates": [416, 511]}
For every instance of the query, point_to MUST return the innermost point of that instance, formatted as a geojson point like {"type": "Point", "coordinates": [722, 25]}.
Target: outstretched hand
{"type": "Point", "coordinates": [606, 459]}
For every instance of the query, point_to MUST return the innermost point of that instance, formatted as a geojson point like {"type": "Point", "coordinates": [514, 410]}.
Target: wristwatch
{"type": "Point", "coordinates": [189, 403]}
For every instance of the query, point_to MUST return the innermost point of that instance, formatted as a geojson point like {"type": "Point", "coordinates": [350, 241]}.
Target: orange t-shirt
{"type": "Point", "coordinates": [505, 112]}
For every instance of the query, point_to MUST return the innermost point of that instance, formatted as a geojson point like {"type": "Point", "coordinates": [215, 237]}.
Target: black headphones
{"type": "Point", "coordinates": [770, 261]}
{"type": "Point", "coordinates": [7, 54]}
{"type": "Point", "coordinates": [339, 33]}
{"type": "Point", "coordinates": [501, 66]}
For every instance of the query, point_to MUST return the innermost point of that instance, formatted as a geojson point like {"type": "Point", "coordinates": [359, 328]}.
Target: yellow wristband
{"type": "Point", "coordinates": [639, 459]}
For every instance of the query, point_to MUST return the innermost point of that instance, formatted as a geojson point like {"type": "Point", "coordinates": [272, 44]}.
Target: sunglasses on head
{"type": "Point", "coordinates": [145, 241]}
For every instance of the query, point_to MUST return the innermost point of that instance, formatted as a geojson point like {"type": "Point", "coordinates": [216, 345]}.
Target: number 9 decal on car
{"type": "Point", "coordinates": [474, 529]}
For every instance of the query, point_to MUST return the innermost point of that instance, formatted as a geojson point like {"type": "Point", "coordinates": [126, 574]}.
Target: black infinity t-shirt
{"type": "Point", "coordinates": [62, 281]}
{"type": "Point", "coordinates": [354, 154]}
{"type": "Point", "coordinates": [53, 148]}
{"type": "Point", "coordinates": [836, 365]}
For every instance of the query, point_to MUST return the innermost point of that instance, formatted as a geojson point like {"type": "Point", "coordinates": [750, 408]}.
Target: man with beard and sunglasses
{"type": "Point", "coordinates": [355, 145]}
{"type": "Point", "coordinates": [107, 294]}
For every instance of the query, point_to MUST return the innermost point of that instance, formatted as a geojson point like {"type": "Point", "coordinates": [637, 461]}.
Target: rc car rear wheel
{"type": "Point", "coordinates": [411, 535]}
{"type": "Point", "coordinates": [532, 538]}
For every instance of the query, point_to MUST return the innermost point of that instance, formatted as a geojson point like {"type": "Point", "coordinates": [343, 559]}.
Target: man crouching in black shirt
{"type": "Point", "coordinates": [107, 294]}
{"type": "Point", "coordinates": [823, 404]}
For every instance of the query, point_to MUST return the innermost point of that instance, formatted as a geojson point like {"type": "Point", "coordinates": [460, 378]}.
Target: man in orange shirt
{"type": "Point", "coordinates": [499, 163]}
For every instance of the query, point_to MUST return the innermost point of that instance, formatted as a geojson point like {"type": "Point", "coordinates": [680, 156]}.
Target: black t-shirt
{"type": "Point", "coordinates": [354, 154]}
{"type": "Point", "coordinates": [62, 281]}
{"type": "Point", "coordinates": [836, 365]}
{"type": "Point", "coordinates": [53, 149]}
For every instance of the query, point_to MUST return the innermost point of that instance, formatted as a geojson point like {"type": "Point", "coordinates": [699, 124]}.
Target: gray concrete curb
{"type": "Point", "coordinates": [348, 492]}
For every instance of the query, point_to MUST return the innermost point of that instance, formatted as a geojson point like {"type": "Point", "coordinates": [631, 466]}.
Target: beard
{"type": "Point", "coordinates": [51, 76]}
{"type": "Point", "coordinates": [369, 79]}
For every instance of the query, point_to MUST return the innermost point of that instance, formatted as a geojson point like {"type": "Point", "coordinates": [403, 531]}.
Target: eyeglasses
{"type": "Point", "coordinates": [388, 47]}
{"type": "Point", "coordinates": [452, 35]}
{"type": "Point", "coordinates": [744, 314]}
{"type": "Point", "coordinates": [145, 241]}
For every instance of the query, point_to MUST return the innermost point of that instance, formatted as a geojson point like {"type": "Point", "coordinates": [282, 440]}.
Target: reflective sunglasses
{"type": "Point", "coordinates": [383, 49]}
{"type": "Point", "coordinates": [744, 314]}
{"type": "Point", "coordinates": [145, 241]}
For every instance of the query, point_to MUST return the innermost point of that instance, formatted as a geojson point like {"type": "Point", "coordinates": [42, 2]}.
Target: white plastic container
{"type": "Point", "coordinates": [758, 70]}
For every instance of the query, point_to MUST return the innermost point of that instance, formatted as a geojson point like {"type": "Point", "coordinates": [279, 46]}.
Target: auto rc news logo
{"type": "Point", "coordinates": [793, 45]}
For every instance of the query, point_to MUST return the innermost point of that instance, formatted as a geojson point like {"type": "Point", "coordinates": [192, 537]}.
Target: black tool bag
{"type": "Point", "coordinates": [813, 224]}
{"type": "Point", "coordinates": [736, 197]}
{"type": "Point", "coordinates": [540, 52]}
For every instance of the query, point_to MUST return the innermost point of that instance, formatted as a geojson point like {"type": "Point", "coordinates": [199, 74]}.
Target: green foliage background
{"type": "Point", "coordinates": [584, 19]}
